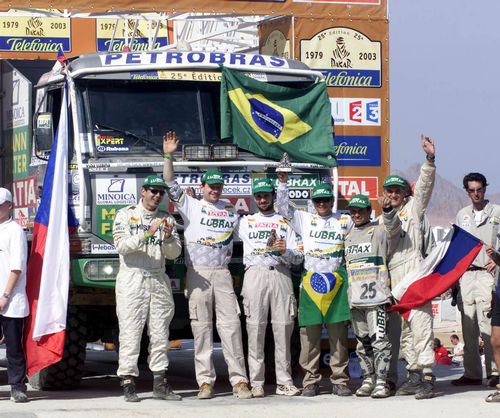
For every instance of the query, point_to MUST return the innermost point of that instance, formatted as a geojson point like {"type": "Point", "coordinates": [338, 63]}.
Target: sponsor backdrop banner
{"type": "Point", "coordinates": [353, 57]}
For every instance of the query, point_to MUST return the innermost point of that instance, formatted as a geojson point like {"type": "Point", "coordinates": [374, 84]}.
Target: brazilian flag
{"type": "Point", "coordinates": [323, 298]}
{"type": "Point", "coordinates": [269, 120]}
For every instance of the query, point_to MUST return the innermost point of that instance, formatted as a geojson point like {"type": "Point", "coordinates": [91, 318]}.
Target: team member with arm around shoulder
{"type": "Point", "coordinates": [144, 237]}
{"type": "Point", "coordinates": [323, 297]}
{"type": "Point", "coordinates": [209, 224]}
{"type": "Point", "coordinates": [13, 302]}
{"type": "Point", "coordinates": [367, 248]}
{"type": "Point", "coordinates": [269, 249]}
{"type": "Point", "coordinates": [495, 322]}
{"type": "Point", "coordinates": [482, 219]}
{"type": "Point", "coordinates": [417, 337]}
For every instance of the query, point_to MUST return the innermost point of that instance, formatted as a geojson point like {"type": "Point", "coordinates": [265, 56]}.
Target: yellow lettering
{"type": "Point", "coordinates": [108, 214]}
{"type": "Point", "coordinates": [105, 228]}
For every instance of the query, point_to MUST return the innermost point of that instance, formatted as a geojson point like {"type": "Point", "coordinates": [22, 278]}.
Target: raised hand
{"type": "Point", "coordinates": [428, 145]}
{"type": "Point", "coordinates": [282, 176]}
{"type": "Point", "coordinates": [170, 143]}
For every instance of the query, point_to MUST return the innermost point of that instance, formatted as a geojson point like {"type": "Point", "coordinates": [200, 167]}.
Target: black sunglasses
{"type": "Point", "coordinates": [322, 199]}
{"type": "Point", "coordinates": [157, 191]}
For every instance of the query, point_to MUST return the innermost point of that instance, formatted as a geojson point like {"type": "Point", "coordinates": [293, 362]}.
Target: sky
{"type": "Point", "coordinates": [445, 82]}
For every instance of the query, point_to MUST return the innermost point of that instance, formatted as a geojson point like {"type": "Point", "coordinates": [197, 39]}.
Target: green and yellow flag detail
{"type": "Point", "coordinates": [268, 119]}
{"type": "Point", "coordinates": [323, 299]}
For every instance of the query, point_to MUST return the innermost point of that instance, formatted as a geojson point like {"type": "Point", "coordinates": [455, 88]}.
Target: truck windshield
{"type": "Point", "coordinates": [132, 116]}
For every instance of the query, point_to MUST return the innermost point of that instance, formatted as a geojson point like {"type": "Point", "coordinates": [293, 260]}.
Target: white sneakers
{"type": "Point", "coordinates": [287, 390]}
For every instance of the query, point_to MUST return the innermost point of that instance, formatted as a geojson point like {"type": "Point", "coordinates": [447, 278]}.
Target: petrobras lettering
{"type": "Point", "coordinates": [358, 150]}
{"type": "Point", "coordinates": [355, 111]}
{"type": "Point", "coordinates": [235, 184]}
{"type": "Point", "coordinates": [103, 249]}
{"type": "Point", "coordinates": [183, 58]}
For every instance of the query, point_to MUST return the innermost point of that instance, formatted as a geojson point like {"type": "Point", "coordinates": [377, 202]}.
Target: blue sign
{"type": "Point", "coordinates": [140, 44]}
{"type": "Point", "coordinates": [358, 150]}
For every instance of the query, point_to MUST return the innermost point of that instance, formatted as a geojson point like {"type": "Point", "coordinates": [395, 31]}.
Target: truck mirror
{"type": "Point", "coordinates": [44, 132]}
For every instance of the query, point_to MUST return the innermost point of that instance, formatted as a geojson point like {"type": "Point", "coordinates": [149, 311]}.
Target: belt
{"type": "Point", "coordinates": [475, 268]}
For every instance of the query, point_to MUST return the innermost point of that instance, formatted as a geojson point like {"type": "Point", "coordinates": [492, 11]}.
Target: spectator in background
{"type": "Point", "coordinates": [481, 219]}
{"type": "Point", "coordinates": [458, 350]}
{"type": "Point", "coordinates": [13, 302]}
{"type": "Point", "coordinates": [440, 353]}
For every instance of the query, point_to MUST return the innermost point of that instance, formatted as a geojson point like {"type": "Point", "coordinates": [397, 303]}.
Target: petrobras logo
{"type": "Point", "coordinates": [355, 111]}
{"type": "Point", "coordinates": [201, 58]}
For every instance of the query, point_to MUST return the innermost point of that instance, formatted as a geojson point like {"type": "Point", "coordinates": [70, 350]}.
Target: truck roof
{"type": "Point", "coordinates": [126, 62]}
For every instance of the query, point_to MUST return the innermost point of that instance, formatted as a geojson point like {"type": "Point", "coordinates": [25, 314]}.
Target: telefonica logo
{"type": "Point", "coordinates": [32, 45]}
{"type": "Point", "coordinates": [345, 149]}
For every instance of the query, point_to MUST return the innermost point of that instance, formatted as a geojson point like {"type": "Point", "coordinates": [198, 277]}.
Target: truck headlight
{"type": "Point", "coordinates": [225, 152]}
{"type": "Point", "coordinates": [196, 152]}
{"type": "Point", "coordinates": [101, 270]}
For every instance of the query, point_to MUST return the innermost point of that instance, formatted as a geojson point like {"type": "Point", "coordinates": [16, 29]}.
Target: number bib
{"type": "Point", "coordinates": [366, 286]}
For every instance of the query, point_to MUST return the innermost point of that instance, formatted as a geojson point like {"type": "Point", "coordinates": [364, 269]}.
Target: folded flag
{"type": "Point", "coordinates": [445, 264]}
{"type": "Point", "coordinates": [48, 266]}
{"type": "Point", "coordinates": [323, 299]}
{"type": "Point", "coordinates": [268, 119]}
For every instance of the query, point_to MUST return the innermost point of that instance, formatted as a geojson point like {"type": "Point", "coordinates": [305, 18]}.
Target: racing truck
{"type": "Point", "coordinates": [121, 104]}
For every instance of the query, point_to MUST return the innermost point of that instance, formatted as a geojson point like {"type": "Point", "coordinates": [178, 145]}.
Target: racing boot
{"type": "Point", "coordinates": [412, 384]}
{"type": "Point", "coordinates": [128, 385]}
{"type": "Point", "coordinates": [426, 390]}
{"type": "Point", "coordinates": [367, 386]}
{"type": "Point", "coordinates": [161, 390]}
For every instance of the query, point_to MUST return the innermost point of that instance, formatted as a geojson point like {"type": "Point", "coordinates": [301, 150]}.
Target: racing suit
{"type": "Point", "coordinates": [323, 241]}
{"type": "Point", "coordinates": [366, 251]}
{"type": "Point", "coordinates": [143, 292]}
{"type": "Point", "coordinates": [476, 288]}
{"type": "Point", "coordinates": [416, 335]}
{"type": "Point", "coordinates": [208, 240]}
{"type": "Point", "coordinates": [268, 285]}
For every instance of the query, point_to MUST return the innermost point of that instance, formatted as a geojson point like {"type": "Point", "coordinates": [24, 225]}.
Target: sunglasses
{"type": "Point", "coordinates": [157, 191]}
{"type": "Point", "coordinates": [322, 199]}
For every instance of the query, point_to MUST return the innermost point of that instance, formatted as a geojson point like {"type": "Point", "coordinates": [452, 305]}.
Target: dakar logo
{"type": "Point", "coordinates": [340, 55]}
{"type": "Point", "coordinates": [34, 27]}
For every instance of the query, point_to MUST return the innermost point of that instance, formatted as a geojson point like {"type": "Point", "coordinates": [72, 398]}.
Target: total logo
{"type": "Point", "coordinates": [355, 111]}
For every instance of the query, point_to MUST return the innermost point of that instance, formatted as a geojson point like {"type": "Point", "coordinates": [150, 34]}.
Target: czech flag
{"type": "Point", "coordinates": [445, 264]}
{"type": "Point", "coordinates": [48, 266]}
{"type": "Point", "coordinates": [61, 57]}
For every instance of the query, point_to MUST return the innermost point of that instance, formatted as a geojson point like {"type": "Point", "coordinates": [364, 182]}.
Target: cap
{"type": "Point", "coordinates": [213, 177]}
{"type": "Point", "coordinates": [262, 185]}
{"type": "Point", "coordinates": [322, 190]}
{"type": "Point", "coordinates": [394, 180]}
{"type": "Point", "coordinates": [359, 201]}
{"type": "Point", "coordinates": [5, 196]}
{"type": "Point", "coordinates": [152, 181]}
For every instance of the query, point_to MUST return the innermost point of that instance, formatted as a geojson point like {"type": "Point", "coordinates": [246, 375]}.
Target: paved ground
{"type": "Point", "coordinates": [100, 395]}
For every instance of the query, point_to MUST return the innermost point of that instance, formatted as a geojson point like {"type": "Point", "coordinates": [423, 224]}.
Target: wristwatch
{"type": "Point", "coordinates": [6, 295]}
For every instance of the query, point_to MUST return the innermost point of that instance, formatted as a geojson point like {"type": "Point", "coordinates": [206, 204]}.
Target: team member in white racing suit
{"type": "Point", "coordinates": [323, 240]}
{"type": "Point", "coordinates": [269, 247]}
{"type": "Point", "coordinates": [417, 339]}
{"type": "Point", "coordinates": [144, 237]}
{"type": "Point", "coordinates": [209, 225]}
{"type": "Point", "coordinates": [367, 247]}
{"type": "Point", "coordinates": [481, 219]}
